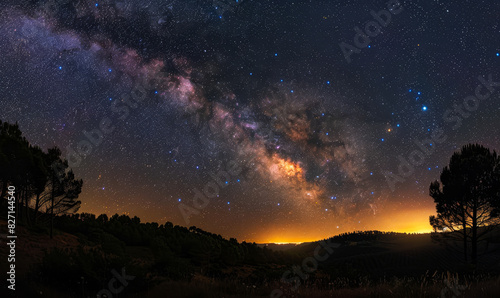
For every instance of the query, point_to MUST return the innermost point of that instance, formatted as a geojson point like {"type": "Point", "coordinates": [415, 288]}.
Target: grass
{"type": "Point", "coordinates": [429, 285]}
{"type": "Point", "coordinates": [411, 266]}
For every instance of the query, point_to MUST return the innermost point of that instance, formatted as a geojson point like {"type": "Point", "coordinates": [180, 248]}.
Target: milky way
{"type": "Point", "coordinates": [153, 101]}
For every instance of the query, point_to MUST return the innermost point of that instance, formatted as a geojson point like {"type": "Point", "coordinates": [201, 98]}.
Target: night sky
{"type": "Point", "coordinates": [260, 120]}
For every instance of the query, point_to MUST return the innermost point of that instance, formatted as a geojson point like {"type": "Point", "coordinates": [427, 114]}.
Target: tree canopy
{"type": "Point", "coordinates": [42, 180]}
{"type": "Point", "coordinates": [467, 197]}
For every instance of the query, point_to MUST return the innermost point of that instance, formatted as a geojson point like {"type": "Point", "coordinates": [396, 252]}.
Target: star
{"type": "Point", "coordinates": [175, 94]}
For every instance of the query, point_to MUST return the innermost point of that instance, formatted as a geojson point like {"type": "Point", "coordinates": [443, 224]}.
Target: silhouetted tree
{"type": "Point", "coordinates": [39, 175]}
{"type": "Point", "coordinates": [42, 180]}
{"type": "Point", "coordinates": [103, 218]}
{"type": "Point", "coordinates": [63, 189]}
{"type": "Point", "coordinates": [14, 161]}
{"type": "Point", "coordinates": [467, 197]}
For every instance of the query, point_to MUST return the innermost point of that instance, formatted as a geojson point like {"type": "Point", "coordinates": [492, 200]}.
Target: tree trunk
{"type": "Point", "coordinates": [51, 219]}
{"type": "Point", "coordinates": [52, 206]}
{"type": "Point", "coordinates": [37, 206]}
{"type": "Point", "coordinates": [26, 205]}
{"type": "Point", "coordinates": [4, 189]}
{"type": "Point", "coordinates": [465, 239]}
{"type": "Point", "coordinates": [19, 199]}
{"type": "Point", "coordinates": [474, 233]}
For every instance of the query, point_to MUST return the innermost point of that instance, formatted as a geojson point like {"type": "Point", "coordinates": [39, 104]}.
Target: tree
{"type": "Point", "coordinates": [63, 189]}
{"type": "Point", "coordinates": [42, 180]}
{"type": "Point", "coordinates": [13, 158]}
{"type": "Point", "coordinates": [467, 198]}
{"type": "Point", "coordinates": [39, 179]}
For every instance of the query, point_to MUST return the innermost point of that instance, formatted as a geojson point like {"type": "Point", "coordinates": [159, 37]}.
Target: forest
{"type": "Point", "coordinates": [63, 253]}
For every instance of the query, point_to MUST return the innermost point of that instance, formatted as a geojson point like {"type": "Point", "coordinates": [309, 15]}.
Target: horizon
{"type": "Point", "coordinates": [420, 226]}
{"type": "Point", "coordinates": [266, 135]}
{"type": "Point", "coordinates": [234, 123]}
{"type": "Point", "coordinates": [280, 242]}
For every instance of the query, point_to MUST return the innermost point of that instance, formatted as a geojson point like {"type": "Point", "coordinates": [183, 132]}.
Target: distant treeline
{"type": "Point", "coordinates": [169, 243]}
{"type": "Point", "coordinates": [356, 236]}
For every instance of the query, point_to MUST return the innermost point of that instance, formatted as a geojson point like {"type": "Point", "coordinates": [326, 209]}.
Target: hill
{"type": "Point", "coordinates": [86, 252]}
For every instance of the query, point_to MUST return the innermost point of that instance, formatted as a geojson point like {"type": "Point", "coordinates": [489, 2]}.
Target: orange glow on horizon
{"type": "Point", "coordinates": [393, 218]}
{"type": "Point", "coordinates": [388, 220]}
